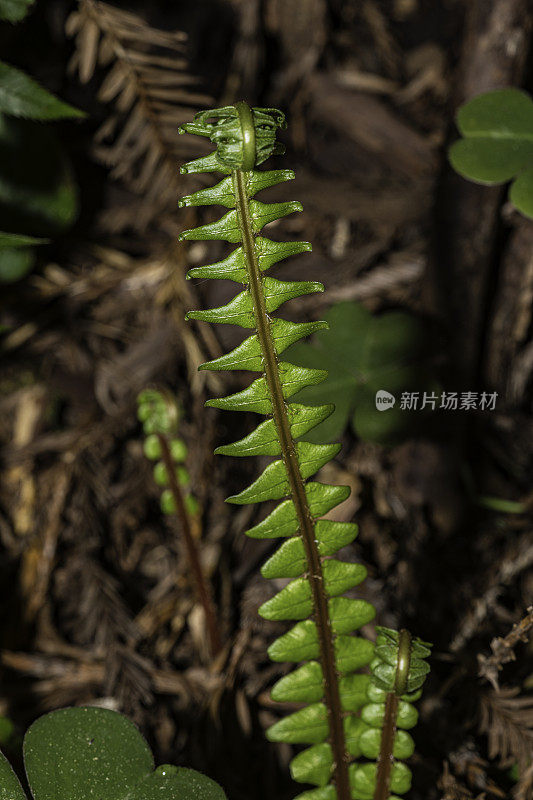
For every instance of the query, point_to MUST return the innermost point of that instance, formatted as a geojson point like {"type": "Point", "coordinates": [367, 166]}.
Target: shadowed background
{"type": "Point", "coordinates": [96, 592]}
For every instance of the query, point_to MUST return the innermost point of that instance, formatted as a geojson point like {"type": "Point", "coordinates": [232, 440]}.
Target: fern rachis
{"type": "Point", "coordinates": [290, 460]}
{"type": "Point", "coordinates": [325, 620]}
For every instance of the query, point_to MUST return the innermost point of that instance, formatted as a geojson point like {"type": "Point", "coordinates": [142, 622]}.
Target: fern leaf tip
{"type": "Point", "coordinates": [234, 500]}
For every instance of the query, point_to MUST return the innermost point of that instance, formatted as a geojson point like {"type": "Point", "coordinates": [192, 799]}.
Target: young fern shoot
{"type": "Point", "coordinates": [158, 412]}
{"type": "Point", "coordinates": [398, 672]}
{"type": "Point", "coordinates": [325, 621]}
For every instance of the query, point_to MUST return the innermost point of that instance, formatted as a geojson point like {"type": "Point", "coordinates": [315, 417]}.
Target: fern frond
{"type": "Point", "coordinates": [325, 621]}
{"type": "Point", "coordinates": [151, 91]}
{"type": "Point", "coordinates": [384, 701]}
{"type": "Point", "coordinates": [398, 672]}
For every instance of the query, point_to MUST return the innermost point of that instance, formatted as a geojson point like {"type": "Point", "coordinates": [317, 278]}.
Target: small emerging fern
{"type": "Point", "coordinates": [398, 672]}
{"type": "Point", "coordinates": [159, 414]}
{"type": "Point", "coordinates": [325, 621]}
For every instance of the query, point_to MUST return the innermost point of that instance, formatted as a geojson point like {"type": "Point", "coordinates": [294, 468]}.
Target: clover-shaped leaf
{"type": "Point", "coordinates": [10, 788]}
{"type": "Point", "coordinates": [14, 10]}
{"type": "Point", "coordinates": [363, 355]}
{"type": "Point", "coordinates": [498, 143]}
{"type": "Point", "coordinates": [97, 754]}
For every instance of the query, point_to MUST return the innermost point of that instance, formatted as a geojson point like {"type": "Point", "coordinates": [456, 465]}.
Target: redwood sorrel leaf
{"type": "Point", "coordinates": [80, 753]}
{"type": "Point", "coordinates": [364, 354]}
{"type": "Point", "coordinates": [14, 10]}
{"type": "Point", "coordinates": [10, 788]}
{"type": "Point", "coordinates": [497, 143]}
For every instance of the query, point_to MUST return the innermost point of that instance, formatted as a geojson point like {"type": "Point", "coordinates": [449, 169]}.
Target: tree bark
{"type": "Point", "coordinates": [495, 47]}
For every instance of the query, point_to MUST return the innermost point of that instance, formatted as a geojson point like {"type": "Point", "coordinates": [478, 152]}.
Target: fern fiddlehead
{"type": "Point", "coordinates": [398, 671]}
{"type": "Point", "coordinates": [325, 620]}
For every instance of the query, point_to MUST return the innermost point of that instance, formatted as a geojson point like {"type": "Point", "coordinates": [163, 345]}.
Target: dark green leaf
{"type": "Point", "coordinates": [14, 10]}
{"type": "Point", "coordinates": [521, 192]}
{"type": "Point", "coordinates": [223, 194]}
{"type": "Point", "coordinates": [498, 143]}
{"type": "Point", "coordinates": [239, 311]}
{"type": "Point", "coordinates": [15, 263]}
{"type": "Point", "coordinates": [82, 753]}
{"type": "Point", "coordinates": [263, 441]}
{"type": "Point", "coordinates": [75, 753]}
{"type": "Point", "coordinates": [7, 730]}
{"type": "Point", "coordinates": [256, 396]}
{"type": "Point", "coordinates": [176, 783]}
{"type": "Point", "coordinates": [10, 788]}
{"type": "Point", "coordinates": [21, 96]}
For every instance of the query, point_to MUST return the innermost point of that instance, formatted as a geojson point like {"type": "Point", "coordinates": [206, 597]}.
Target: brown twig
{"type": "Point", "coordinates": [202, 586]}
{"type": "Point", "coordinates": [503, 649]}
{"type": "Point", "coordinates": [518, 559]}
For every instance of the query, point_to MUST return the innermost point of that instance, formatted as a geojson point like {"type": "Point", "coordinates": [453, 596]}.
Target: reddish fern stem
{"type": "Point", "coordinates": [298, 495]}
{"type": "Point", "coordinates": [388, 733]}
{"type": "Point", "coordinates": [202, 586]}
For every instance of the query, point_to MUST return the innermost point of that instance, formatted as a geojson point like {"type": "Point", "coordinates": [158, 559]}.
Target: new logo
{"type": "Point", "coordinates": [384, 400]}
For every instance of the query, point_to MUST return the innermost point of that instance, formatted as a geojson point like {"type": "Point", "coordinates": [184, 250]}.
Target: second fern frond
{"type": "Point", "coordinates": [158, 411]}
